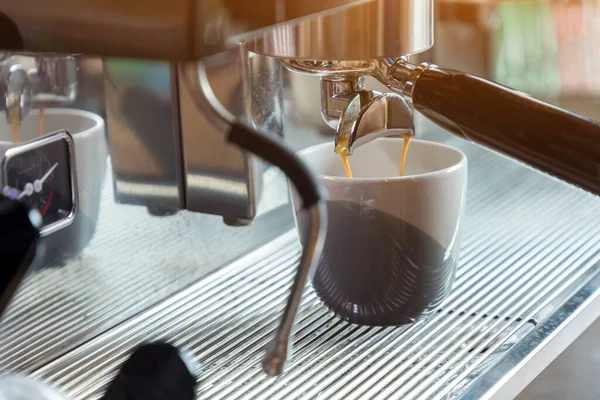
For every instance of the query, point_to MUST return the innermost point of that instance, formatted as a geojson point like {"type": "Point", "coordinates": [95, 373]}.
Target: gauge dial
{"type": "Point", "coordinates": [39, 174]}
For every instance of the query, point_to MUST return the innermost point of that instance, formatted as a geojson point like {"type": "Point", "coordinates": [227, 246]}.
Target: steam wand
{"type": "Point", "coordinates": [309, 188]}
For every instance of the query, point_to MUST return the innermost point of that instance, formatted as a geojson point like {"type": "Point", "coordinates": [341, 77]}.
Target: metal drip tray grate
{"type": "Point", "coordinates": [227, 320]}
{"type": "Point", "coordinates": [530, 243]}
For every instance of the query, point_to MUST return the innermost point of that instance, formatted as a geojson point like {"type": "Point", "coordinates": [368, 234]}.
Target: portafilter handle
{"type": "Point", "coordinates": [553, 140]}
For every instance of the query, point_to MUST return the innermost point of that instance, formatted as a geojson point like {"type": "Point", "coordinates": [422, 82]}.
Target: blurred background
{"type": "Point", "coordinates": [550, 49]}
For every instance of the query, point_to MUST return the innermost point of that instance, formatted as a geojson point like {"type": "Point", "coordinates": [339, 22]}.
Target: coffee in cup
{"type": "Point", "coordinates": [392, 243]}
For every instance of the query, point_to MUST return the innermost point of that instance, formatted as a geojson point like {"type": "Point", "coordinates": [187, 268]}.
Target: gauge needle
{"type": "Point", "coordinates": [37, 184]}
{"type": "Point", "coordinates": [48, 173]}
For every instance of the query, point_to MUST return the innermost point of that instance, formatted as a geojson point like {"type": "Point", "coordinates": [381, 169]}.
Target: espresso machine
{"type": "Point", "coordinates": [177, 214]}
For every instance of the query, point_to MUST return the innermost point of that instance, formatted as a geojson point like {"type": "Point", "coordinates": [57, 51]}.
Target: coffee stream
{"type": "Point", "coordinates": [41, 122]}
{"type": "Point", "coordinates": [15, 124]}
{"type": "Point", "coordinates": [407, 138]}
{"type": "Point", "coordinates": [14, 127]}
{"type": "Point", "coordinates": [342, 150]}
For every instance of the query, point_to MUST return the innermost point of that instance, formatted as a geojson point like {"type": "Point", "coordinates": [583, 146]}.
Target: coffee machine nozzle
{"type": "Point", "coordinates": [486, 113]}
{"type": "Point", "coordinates": [386, 114]}
{"type": "Point", "coordinates": [37, 81]}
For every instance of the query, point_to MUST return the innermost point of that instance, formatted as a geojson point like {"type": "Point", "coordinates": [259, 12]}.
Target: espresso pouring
{"type": "Point", "coordinates": [15, 124]}
{"type": "Point", "coordinates": [342, 150]}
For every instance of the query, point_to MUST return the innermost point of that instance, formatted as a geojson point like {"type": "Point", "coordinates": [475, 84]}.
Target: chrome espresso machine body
{"type": "Point", "coordinates": [194, 109]}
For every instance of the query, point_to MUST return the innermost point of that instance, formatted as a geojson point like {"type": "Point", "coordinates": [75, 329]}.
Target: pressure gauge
{"type": "Point", "coordinates": [41, 174]}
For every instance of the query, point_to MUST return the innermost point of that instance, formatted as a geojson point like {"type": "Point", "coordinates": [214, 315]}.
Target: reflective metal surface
{"type": "Point", "coordinates": [220, 178]}
{"type": "Point", "coordinates": [41, 81]}
{"type": "Point", "coordinates": [168, 154]}
{"type": "Point", "coordinates": [519, 264]}
{"type": "Point", "coordinates": [133, 261]}
{"type": "Point", "coordinates": [280, 348]}
{"type": "Point", "coordinates": [530, 243]}
{"type": "Point", "coordinates": [142, 110]}
{"type": "Point", "coordinates": [17, 94]}
{"type": "Point", "coordinates": [375, 29]}
{"type": "Point", "coordinates": [386, 114]}
{"type": "Point", "coordinates": [191, 29]}
{"type": "Point", "coordinates": [533, 354]}
{"type": "Point", "coordinates": [336, 94]}
{"type": "Point", "coordinates": [54, 81]}
{"type": "Point", "coordinates": [266, 126]}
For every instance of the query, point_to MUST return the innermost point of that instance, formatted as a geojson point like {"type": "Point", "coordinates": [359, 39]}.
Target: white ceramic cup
{"type": "Point", "coordinates": [392, 243]}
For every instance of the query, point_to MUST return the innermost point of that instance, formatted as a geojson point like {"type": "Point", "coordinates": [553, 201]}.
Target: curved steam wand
{"type": "Point", "coordinates": [309, 188]}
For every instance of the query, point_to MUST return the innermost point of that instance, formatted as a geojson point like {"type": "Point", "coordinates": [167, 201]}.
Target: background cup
{"type": "Point", "coordinates": [392, 243]}
{"type": "Point", "coordinates": [91, 152]}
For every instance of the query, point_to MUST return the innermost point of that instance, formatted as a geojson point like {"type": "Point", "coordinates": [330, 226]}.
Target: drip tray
{"type": "Point", "coordinates": [227, 320]}
{"type": "Point", "coordinates": [527, 286]}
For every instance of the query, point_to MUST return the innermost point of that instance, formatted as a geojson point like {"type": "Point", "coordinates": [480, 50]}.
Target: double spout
{"type": "Point", "coordinates": [368, 117]}
{"type": "Point", "coordinates": [52, 82]}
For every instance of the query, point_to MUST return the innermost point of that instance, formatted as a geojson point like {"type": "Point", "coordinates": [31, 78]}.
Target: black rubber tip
{"type": "Point", "coordinates": [154, 371]}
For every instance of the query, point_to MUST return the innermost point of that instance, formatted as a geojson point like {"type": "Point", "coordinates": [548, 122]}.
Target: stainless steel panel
{"type": "Point", "coordinates": [142, 109]}
{"type": "Point", "coordinates": [191, 29]}
{"type": "Point", "coordinates": [220, 178]}
{"type": "Point", "coordinates": [530, 243]}
{"type": "Point", "coordinates": [375, 29]}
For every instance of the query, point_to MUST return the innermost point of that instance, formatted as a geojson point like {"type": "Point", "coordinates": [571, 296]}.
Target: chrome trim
{"type": "Point", "coordinates": [523, 362]}
{"type": "Point", "coordinates": [386, 114]}
{"type": "Point", "coordinates": [374, 29]}
{"type": "Point", "coordinates": [37, 81]}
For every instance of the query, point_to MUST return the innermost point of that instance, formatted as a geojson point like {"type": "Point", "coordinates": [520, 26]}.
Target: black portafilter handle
{"type": "Point", "coordinates": [19, 235]}
{"type": "Point", "coordinates": [551, 139]}
{"type": "Point", "coordinates": [154, 371]}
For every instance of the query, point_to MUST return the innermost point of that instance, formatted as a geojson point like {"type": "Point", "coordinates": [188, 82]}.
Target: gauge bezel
{"type": "Point", "coordinates": [41, 142]}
